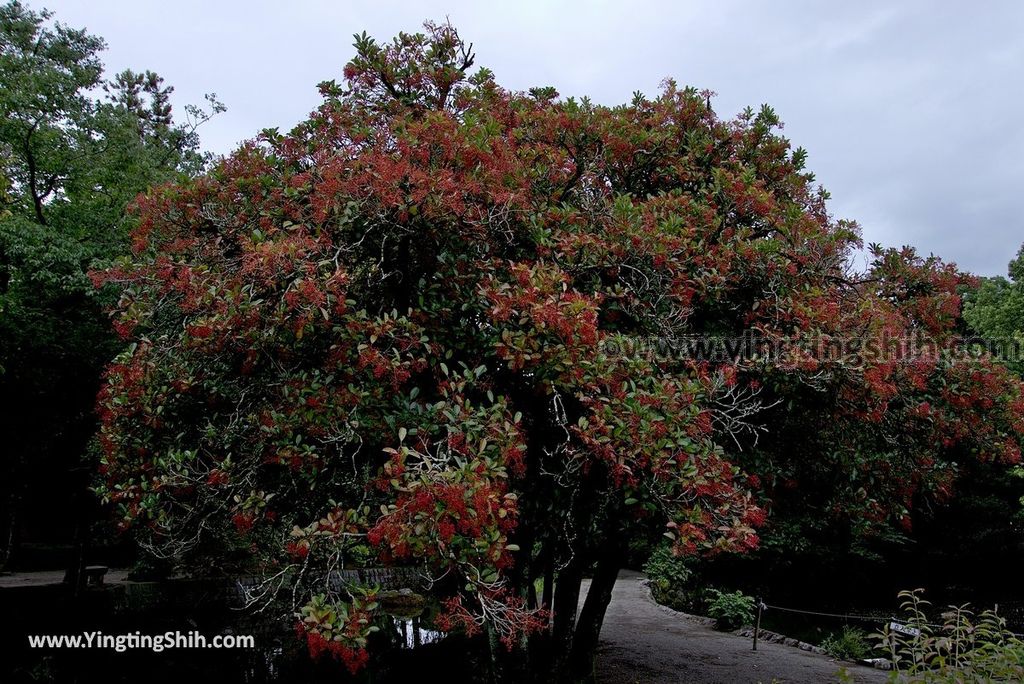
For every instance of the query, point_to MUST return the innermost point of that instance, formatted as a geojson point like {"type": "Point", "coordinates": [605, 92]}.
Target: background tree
{"type": "Point", "coordinates": [995, 310]}
{"type": "Point", "coordinates": [423, 327]}
{"type": "Point", "coordinates": [72, 162]}
{"type": "Point", "coordinates": [990, 528]}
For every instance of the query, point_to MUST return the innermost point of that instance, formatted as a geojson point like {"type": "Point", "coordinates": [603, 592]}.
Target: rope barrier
{"type": "Point", "coordinates": [866, 618]}
{"type": "Point", "coordinates": [873, 618]}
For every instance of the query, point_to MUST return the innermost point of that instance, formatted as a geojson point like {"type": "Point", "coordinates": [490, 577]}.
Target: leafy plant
{"type": "Point", "coordinates": [965, 647]}
{"type": "Point", "coordinates": [732, 610]}
{"type": "Point", "coordinates": [668, 570]}
{"type": "Point", "coordinates": [672, 580]}
{"type": "Point", "coordinates": [850, 643]}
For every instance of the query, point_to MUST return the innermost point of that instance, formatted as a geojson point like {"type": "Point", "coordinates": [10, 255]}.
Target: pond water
{"type": "Point", "coordinates": [413, 635]}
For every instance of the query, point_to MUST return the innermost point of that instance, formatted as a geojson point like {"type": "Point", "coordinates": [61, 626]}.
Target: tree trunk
{"type": "Point", "coordinates": [498, 672]}
{"type": "Point", "coordinates": [566, 603]}
{"type": "Point", "coordinates": [588, 626]}
{"type": "Point", "coordinates": [11, 531]}
{"type": "Point", "coordinates": [548, 592]}
{"type": "Point", "coordinates": [37, 199]}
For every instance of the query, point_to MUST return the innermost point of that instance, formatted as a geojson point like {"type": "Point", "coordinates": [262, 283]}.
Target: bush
{"type": "Point", "coordinates": [732, 611]}
{"type": "Point", "coordinates": [964, 648]}
{"type": "Point", "coordinates": [849, 644]}
{"type": "Point", "coordinates": [667, 570]}
{"type": "Point", "coordinates": [672, 580]}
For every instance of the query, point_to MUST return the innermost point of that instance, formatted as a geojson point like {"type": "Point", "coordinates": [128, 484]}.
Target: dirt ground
{"type": "Point", "coordinates": [644, 643]}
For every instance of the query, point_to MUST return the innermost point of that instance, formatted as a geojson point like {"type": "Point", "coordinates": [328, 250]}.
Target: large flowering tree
{"type": "Point", "coordinates": [413, 328]}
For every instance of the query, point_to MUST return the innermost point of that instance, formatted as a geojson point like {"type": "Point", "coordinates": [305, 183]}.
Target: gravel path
{"type": "Point", "coordinates": [644, 643]}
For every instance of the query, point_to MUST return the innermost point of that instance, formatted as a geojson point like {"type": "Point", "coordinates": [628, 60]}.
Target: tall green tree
{"type": "Point", "coordinates": [75, 150]}
{"type": "Point", "coordinates": [995, 309]}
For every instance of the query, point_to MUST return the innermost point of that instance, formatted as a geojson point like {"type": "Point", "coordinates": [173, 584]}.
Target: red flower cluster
{"type": "Point", "coordinates": [353, 658]}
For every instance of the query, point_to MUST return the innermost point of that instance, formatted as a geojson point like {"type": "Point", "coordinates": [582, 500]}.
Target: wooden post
{"type": "Point", "coordinates": [757, 620]}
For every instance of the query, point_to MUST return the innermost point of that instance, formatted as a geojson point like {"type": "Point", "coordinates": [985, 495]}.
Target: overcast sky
{"type": "Point", "coordinates": [911, 111]}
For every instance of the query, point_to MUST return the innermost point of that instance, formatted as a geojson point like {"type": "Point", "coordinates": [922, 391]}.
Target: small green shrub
{"type": "Point", "coordinates": [671, 579]}
{"type": "Point", "coordinates": [666, 570]}
{"type": "Point", "coordinates": [732, 611]}
{"type": "Point", "coordinates": [849, 644]}
{"type": "Point", "coordinates": [964, 648]}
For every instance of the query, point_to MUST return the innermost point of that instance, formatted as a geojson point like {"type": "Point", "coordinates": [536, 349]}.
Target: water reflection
{"type": "Point", "coordinates": [412, 635]}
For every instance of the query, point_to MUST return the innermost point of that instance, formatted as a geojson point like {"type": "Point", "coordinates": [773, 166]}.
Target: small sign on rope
{"type": "Point", "coordinates": [905, 630]}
